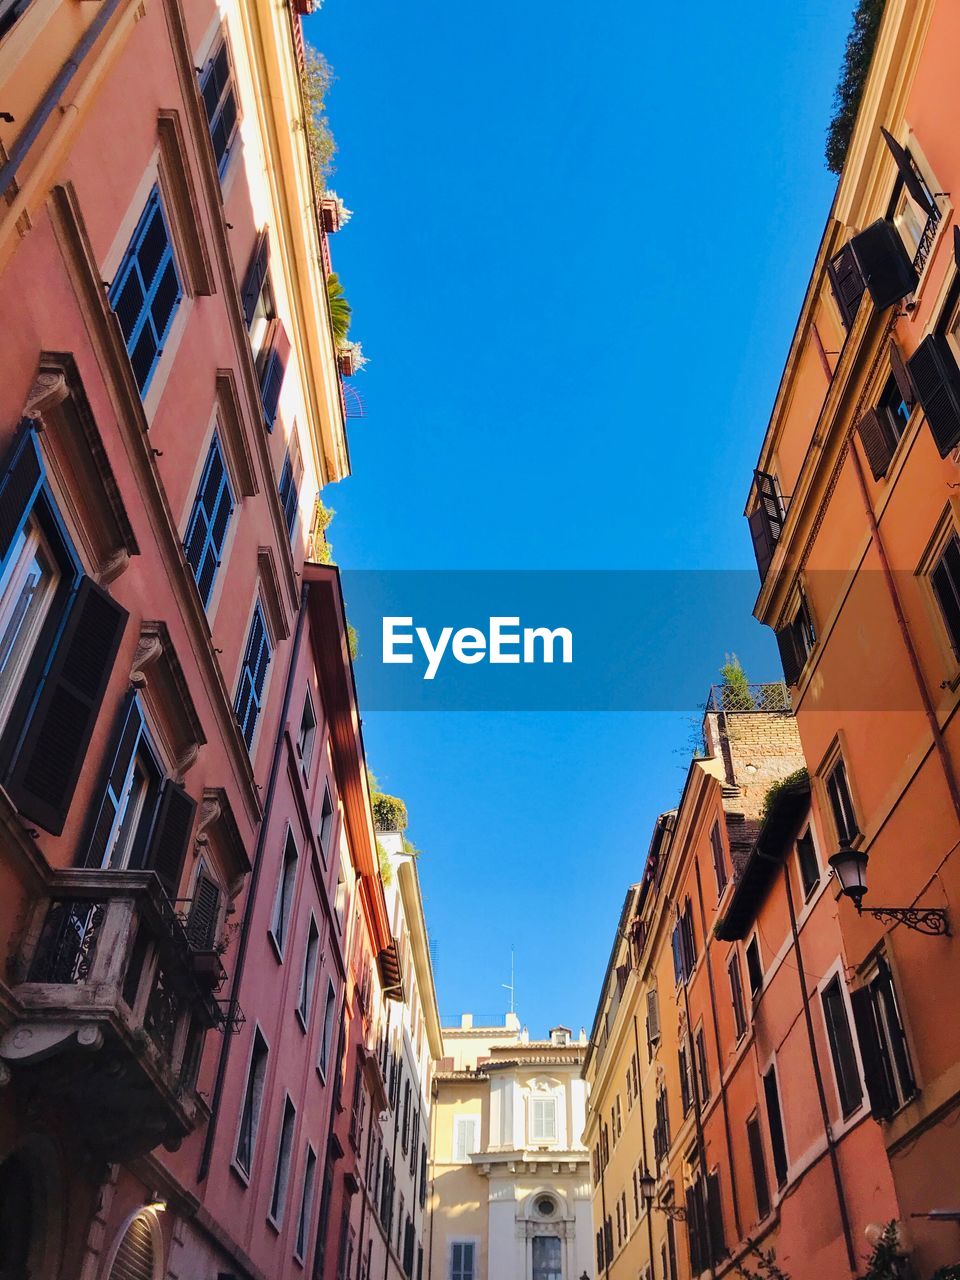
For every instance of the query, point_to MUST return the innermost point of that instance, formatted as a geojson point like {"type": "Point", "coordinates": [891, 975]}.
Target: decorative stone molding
{"type": "Point", "coordinates": [182, 203]}
{"type": "Point", "coordinates": [216, 824]}
{"type": "Point", "coordinates": [277, 619]}
{"type": "Point", "coordinates": [85, 486]}
{"type": "Point", "coordinates": [158, 675]}
{"type": "Point", "coordinates": [233, 436]}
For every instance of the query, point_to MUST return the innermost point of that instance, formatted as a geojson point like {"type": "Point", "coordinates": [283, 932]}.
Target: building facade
{"type": "Point", "coordinates": [509, 1191]}
{"type": "Point", "coordinates": [187, 835]}
{"type": "Point", "coordinates": [859, 568]}
{"type": "Point", "coordinates": [727, 1109]}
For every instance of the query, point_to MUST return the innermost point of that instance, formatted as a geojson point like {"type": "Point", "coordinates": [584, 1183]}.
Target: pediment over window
{"type": "Point", "coordinates": [157, 673]}
{"type": "Point", "coordinates": [80, 472]}
{"type": "Point", "coordinates": [182, 202]}
{"type": "Point", "coordinates": [217, 827]}
{"type": "Point", "coordinates": [234, 438]}
{"type": "Point", "coordinates": [277, 618]}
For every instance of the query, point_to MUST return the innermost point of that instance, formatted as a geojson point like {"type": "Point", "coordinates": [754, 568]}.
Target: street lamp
{"type": "Point", "coordinates": [850, 867]}
{"type": "Point", "coordinates": [648, 1186]}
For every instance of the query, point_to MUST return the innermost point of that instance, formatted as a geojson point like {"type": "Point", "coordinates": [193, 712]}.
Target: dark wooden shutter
{"type": "Point", "coordinates": [909, 174]}
{"type": "Point", "coordinates": [883, 1101]}
{"type": "Point", "coordinates": [758, 1163]}
{"type": "Point", "coordinates": [202, 921]}
{"type": "Point", "coordinates": [901, 374]}
{"type": "Point", "coordinates": [47, 762]}
{"type": "Point", "coordinates": [778, 1144]}
{"type": "Point", "coordinates": [273, 371]}
{"type": "Point", "coordinates": [19, 487]}
{"type": "Point", "coordinates": [170, 836]}
{"type": "Point", "coordinates": [886, 269]}
{"type": "Point", "coordinates": [255, 277]}
{"type": "Point", "coordinates": [878, 440]}
{"type": "Point", "coordinates": [762, 546]}
{"type": "Point", "coordinates": [715, 1218]}
{"type": "Point", "coordinates": [693, 1231]}
{"type": "Point", "coordinates": [791, 657]}
{"type": "Point", "coordinates": [847, 284]}
{"type": "Point", "coordinates": [936, 379]}
{"type": "Point", "coordinates": [884, 991]}
{"type": "Point", "coordinates": [118, 762]}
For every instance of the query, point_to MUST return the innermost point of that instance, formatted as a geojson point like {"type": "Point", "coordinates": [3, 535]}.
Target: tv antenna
{"type": "Point", "coordinates": [511, 985]}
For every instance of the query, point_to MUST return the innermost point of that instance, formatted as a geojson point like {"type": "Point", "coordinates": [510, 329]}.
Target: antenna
{"type": "Point", "coordinates": [511, 985]}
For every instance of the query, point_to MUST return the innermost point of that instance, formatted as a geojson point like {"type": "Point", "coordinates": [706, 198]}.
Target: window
{"type": "Point", "coordinates": [253, 676]}
{"type": "Point", "coordinates": [653, 1022]}
{"type": "Point", "coordinates": [346, 1245]}
{"type": "Point", "coordinates": [423, 1174]}
{"type": "Point", "coordinates": [754, 966]}
{"type": "Point", "coordinates": [252, 1100]}
{"type": "Point", "coordinates": [326, 1037]}
{"type": "Point", "coordinates": [283, 901]}
{"type": "Point", "coordinates": [766, 521]}
{"type": "Point", "coordinates": [405, 1119]}
{"type": "Point", "coordinates": [661, 1129]}
{"type": "Point", "coordinates": [130, 799]}
{"type": "Point", "coordinates": [289, 490]}
{"type": "Point", "coordinates": [629, 1084]}
{"type": "Point", "coordinates": [462, 1264]}
{"type": "Point", "coordinates": [841, 804]}
{"type": "Point", "coordinates": [760, 1185]}
{"type": "Point", "coordinates": [326, 822]}
{"type": "Point", "coordinates": [841, 1047]}
{"type": "Point", "coordinates": [883, 1043]}
{"type": "Point", "coordinates": [306, 1204]}
{"type": "Point", "coordinates": [340, 900]}
{"type": "Point", "coordinates": [281, 1175]}
{"type": "Point", "coordinates": [546, 1258]}
{"type": "Point", "coordinates": [146, 291]}
{"type": "Point", "coordinates": [703, 1072]}
{"type": "Point", "coordinates": [688, 940]}
{"type": "Point", "coordinates": [259, 307]}
{"type": "Point", "coordinates": [945, 580]}
{"type": "Point", "coordinates": [677, 947]}
{"type": "Point", "coordinates": [736, 995]}
{"type": "Point", "coordinates": [796, 641]}
{"type": "Point", "coordinates": [10, 11]}
{"type": "Point", "coordinates": [204, 912]}
{"type": "Point", "coordinates": [466, 1138]}
{"type": "Point", "coordinates": [306, 736]}
{"type": "Point", "coordinates": [272, 363]}
{"type": "Point", "coordinates": [617, 1124]}
{"type": "Point", "coordinates": [778, 1144]}
{"type": "Point", "coordinates": [719, 863]}
{"type": "Point", "coordinates": [209, 522]}
{"type": "Point", "coordinates": [308, 979]}
{"type": "Point", "coordinates": [807, 862]}
{"type": "Point", "coordinates": [543, 1119]}
{"type": "Point", "coordinates": [686, 1079]}
{"type": "Point", "coordinates": [220, 103]}
{"type": "Point", "coordinates": [705, 1222]}
{"type": "Point", "coordinates": [28, 587]}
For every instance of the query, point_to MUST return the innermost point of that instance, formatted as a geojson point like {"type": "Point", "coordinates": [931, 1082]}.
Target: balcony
{"type": "Point", "coordinates": [110, 1005]}
{"type": "Point", "coordinates": [774, 696]}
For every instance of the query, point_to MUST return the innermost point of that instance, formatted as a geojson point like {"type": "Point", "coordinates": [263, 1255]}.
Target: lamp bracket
{"type": "Point", "coordinates": [930, 920]}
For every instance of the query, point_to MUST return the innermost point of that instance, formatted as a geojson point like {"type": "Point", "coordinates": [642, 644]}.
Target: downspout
{"type": "Point", "coordinates": [210, 1136]}
{"type": "Point", "coordinates": [603, 1225]}
{"type": "Point", "coordinates": [393, 1158]}
{"type": "Point", "coordinates": [643, 1146]}
{"type": "Point", "coordinates": [365, 1178]}
{"type": "Point", "coordinates": [697, 1119]}
{"type": "Point", "coordinates": [716, 1039]}
{"type": "Point", "coordinates": [51, 99]}
{"type": "Point", "coordinates": [818, 1075]}
{"type": "Point", "coordinates": [434, 1094]}
{"type": "Point", "coordinates": [928, 707]}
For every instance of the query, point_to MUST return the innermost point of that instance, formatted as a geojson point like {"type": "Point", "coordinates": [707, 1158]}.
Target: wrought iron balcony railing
{"type": "Point", "coordinates": [112, 1006]}
{"type": "Point", "coordinates": [749, 697]}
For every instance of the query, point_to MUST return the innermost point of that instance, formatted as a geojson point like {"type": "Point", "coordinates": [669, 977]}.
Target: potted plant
{"type": "Point", "coordinates": [351, 358]}
{"type": "Point", "coordinates": [334, 214]}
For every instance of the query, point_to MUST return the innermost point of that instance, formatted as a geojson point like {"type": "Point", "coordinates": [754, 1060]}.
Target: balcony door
{"type": "Point", "coordinates": [546, 1258]}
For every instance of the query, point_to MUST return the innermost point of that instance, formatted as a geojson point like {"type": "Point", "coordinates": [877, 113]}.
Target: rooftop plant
{"type": "Point", "coordinates": [389, 812]}
{"type": "Point", "coordinates": [340, 309]}
{"type": "Point", "coordinates": [791, 780]}
{"type": "Point", "coordinates": [735, 689]}
{"type": "Point", "coordinates": [853, 75]}
{"type": "Point", "coordinates": [317, 79]}
{"type": "Point", "coordinates": [386, 871]}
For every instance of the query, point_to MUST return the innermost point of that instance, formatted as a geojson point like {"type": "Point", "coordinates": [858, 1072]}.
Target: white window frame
{"type": "Point", "coordinates": [308, 976]}
{"type": "Point", "coordinates": [257, 1105]}
{"type": "Point", "coordinates": [306, 742]}
{"type": "Point", "coordinates": [34, 546]}
{"type": "Point", "coordinates": [461, 1273]}
{"type": "Point", "coordinates": [280, 1184]}
{"type": "Point", "coordinates": [282, 914]}
{"type": "Point", "coordinates": [543, 1139]}
{"type": "Point", "coordinates": [462, 1126]}
{"type": "Point", "coordinates": [327, 1030]}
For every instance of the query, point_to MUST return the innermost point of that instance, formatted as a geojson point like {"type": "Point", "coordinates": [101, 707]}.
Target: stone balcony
{"type": "Point", "coordinates": [110, 1006]}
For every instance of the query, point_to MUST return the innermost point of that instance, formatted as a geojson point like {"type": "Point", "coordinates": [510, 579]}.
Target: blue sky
{"type": "Point", "coordinates": [580, 243]}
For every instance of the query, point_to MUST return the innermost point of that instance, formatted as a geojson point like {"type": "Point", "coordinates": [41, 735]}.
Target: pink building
{"type": "Point", "coordinates": [188, 855]}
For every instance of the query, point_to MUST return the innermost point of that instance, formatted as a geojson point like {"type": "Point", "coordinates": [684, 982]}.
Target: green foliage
{"type": "Point", "coordinates": [386, 871]}
{"type": "Point", "coordinates": [799, 775]}
{"type": "Point", "coordinates": [853, 75]}
{"type": "Point", "coordinates": [322, 515]}
{"type": "Point", "coordinates": [340, 310]}
{"type": "Point", "coordinates": [735, 691]}
{"type": "Point", "coordinates": [947, 1273]}
{"type": "Point", "coordinates": [353, 640]}
{"type": "Point", "coordinates": [886, 1262]}
{"type": "Point", "coordinates": [766, 1265]}
{"type": "Point", "coordinates": [317, 79]}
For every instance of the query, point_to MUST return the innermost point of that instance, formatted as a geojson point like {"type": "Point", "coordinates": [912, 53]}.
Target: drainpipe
{"type": "Point", "coordinates": [643, 1146]}
{"type": "Point", "coordinates": [818, 1075]}
{"type": "Point", "coordinates": [233, 1005]}
{"type": "Point", "coordinates": [51, 99]}
{"type": "Point", "coordinates": [928, 707]}
{"type": "Point", "coordinates": [393, 1159]}
{"type": "Point", "coordinates": [603, 1211]}
{"type": "Point", "coordinates": [697, 1119]}
{"type": "Point", "coordinates": [434, 1095]}
{"type": "Point", "coordinates": [716, 1039]}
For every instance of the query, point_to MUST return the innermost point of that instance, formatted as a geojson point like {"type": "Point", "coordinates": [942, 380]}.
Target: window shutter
{"type": "Point", "coordinates": [653, 1015]}
{"type": "Point", "coordinates": [693, 1231]}
{"type": "Point", "coordinates": [124, 745]}
{"type": "Point", "coordinates": [901, 374]}
{"type": "Point", "coordinates": [883, 1100]}
{"type": "Point", "coordinates": [909, 174]}
{"type": "Point", "coordinates": [171, 833]}
{"type": "Point", "coordinates": [936, 379]}
{"type": "Point", "coordinates": [48, 759]}
{"type": "Point", "coordinates": [878, 441]}
{"type": "Point", "coordinates": [847, 284]}
{"type": "Point", "coordinates": [202, 921]}
{"type": "Point", "coordinates": [18, 490]}
{"type": "Point", "coordinates": [762, 546]}
{"type": "Point", "coordinates": [887, 271]}
{"type": "Point", "coordinates": [883, 986]}
{"type": "Point", "coordinates": [256, 277]}
{"type": "Point", "coordinates": [766, 522]}
{"type": "Point", "coordinates": [273, 371]}
{"type": "Point", "coordinates": [715, 1217]}
{"type": "Point", "coordinates": [791, 659]}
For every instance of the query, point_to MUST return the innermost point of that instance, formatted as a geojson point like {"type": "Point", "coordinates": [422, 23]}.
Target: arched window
{"type": "Point", "coordinates": [138, 1256]}
{"type": "Point", "coordinates": [16, 1218]}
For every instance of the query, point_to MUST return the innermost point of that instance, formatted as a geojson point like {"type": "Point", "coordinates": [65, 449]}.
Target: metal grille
{"type": "Point", "coordinates": [68, 941]}
{"type": "Point", "coordinates": [749, 697]}
{"type": "Point", "coordinates": [160, 1020]}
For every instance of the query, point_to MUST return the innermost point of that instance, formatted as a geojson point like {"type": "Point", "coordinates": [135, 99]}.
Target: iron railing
{"type": "Point", "coordinates": [749, 697]}
{"type": "Point", "coordinates": [927, 238]}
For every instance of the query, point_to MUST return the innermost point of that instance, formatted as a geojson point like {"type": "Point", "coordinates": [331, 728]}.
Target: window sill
{"type": "Point", "coordinates": [301, 1019]}
{"type": "Point", "coordinates": [273, 1224]}
{"type": "Point", "coordinates": [277, 949]}
{"type": "Point", "coordinates": [239, 1173]}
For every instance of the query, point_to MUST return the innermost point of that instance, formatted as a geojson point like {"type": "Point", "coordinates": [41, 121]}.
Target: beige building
{"type": "Point", "coordinates": [510, 1185]}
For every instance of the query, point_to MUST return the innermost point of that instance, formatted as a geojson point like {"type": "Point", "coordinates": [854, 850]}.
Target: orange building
{"type": "Point", "coordinates": [727, 1110]}
{"type": "Point", "coordinates": [855, 516]}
